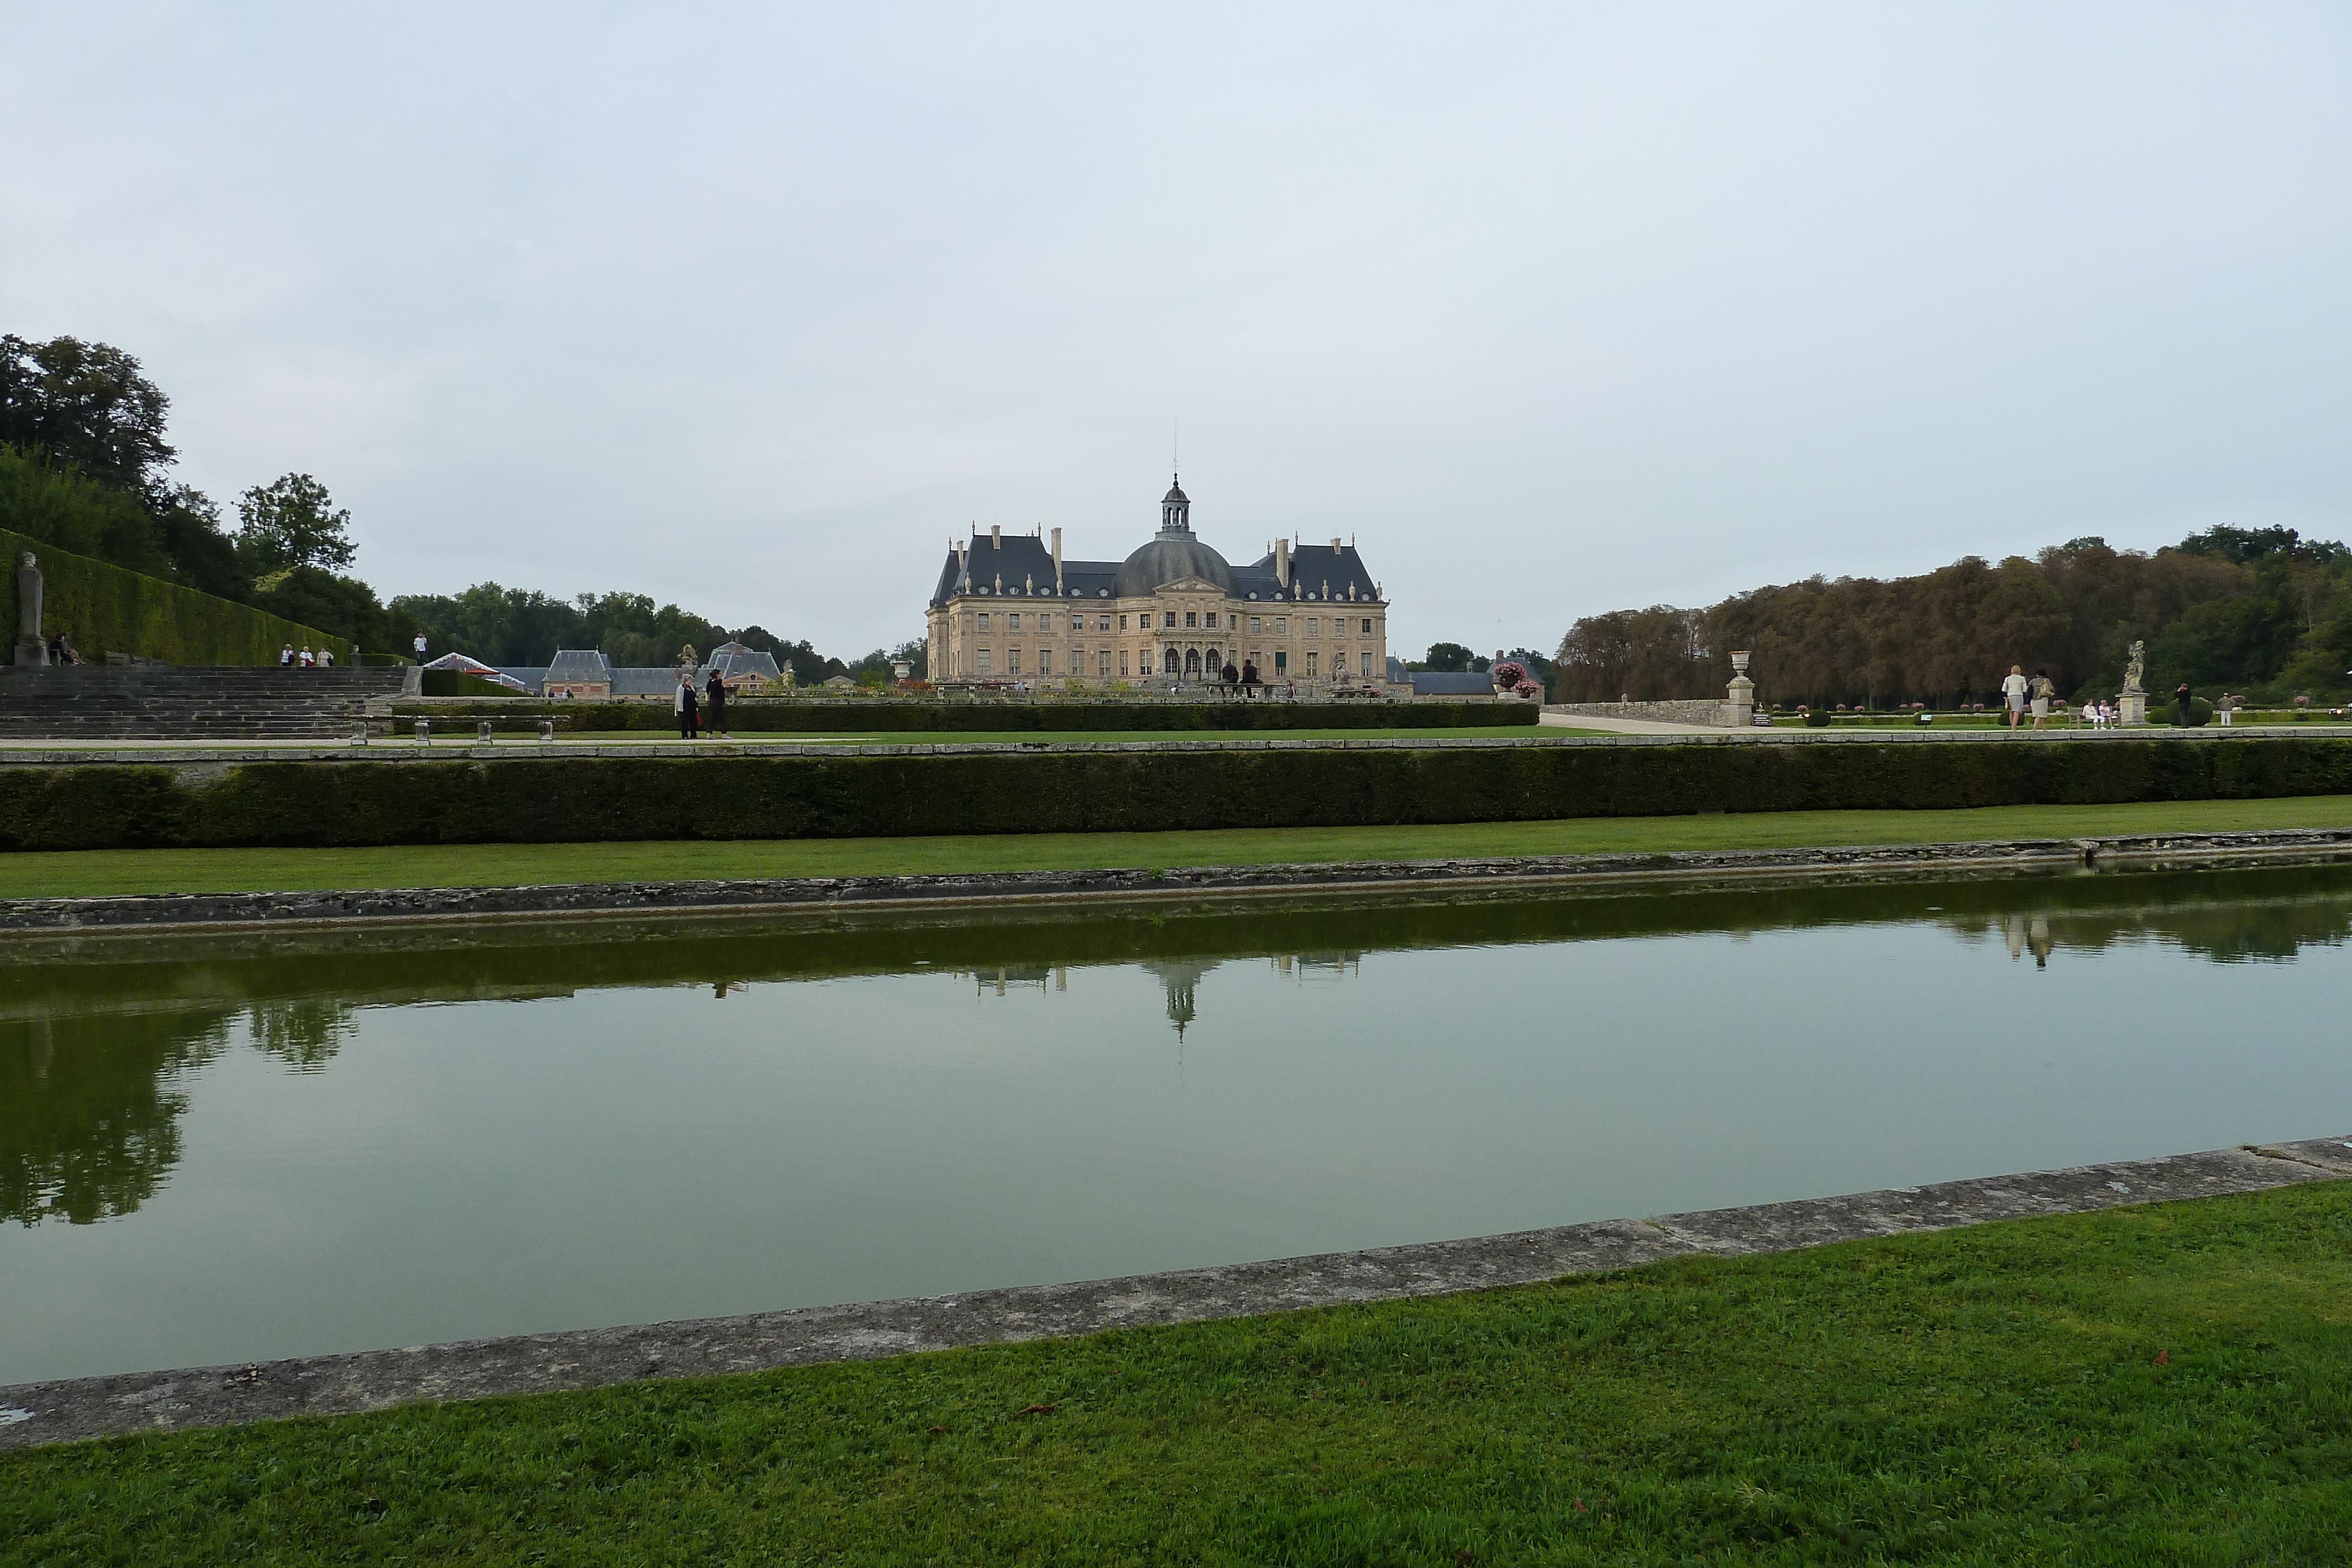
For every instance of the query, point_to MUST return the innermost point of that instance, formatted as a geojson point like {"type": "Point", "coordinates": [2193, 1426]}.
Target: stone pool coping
{"type": "Point", "coordinates": [33, 1414]}
{"type": "Point", "coordinates": [231, 911]}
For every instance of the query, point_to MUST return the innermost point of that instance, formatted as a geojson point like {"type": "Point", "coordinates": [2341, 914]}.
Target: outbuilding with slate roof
{"type": "Point", "coordinates": [1011, 608]}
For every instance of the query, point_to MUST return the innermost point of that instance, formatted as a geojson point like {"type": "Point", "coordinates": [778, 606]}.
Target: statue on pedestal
{"type": "Point", "coordinates": [30, 648]}
{"type": "Point", "coordinates": [2131, 708]}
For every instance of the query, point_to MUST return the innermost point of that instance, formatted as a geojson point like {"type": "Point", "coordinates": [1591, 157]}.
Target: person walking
{"type": "Point", "coordinates": [286, 657]}
{"type": "Point", "coordinates": [306, 657]}
{"type": "Point", "coordinates": [326, 657]}
{"type": "Point", "coordinates": [2182, 705]}
{"type": "Point", "coordinates": [2013, 693]}
{"type": "Point", "coordinates": [683, 703]}
{"type": "Point", "coordinates": [2042, 691]}
{"type": "Point", "coordinates": [716, 723]}
{"type": "Point", "coordinates": [419, 646]}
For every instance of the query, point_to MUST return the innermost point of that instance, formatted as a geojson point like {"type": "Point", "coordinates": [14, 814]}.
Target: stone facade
{"type": "Point", "coordinates": [1012, 610]}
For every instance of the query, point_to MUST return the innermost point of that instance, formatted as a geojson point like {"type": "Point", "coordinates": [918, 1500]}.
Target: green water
{"type": "Point", "coordinates": [233, 1148]}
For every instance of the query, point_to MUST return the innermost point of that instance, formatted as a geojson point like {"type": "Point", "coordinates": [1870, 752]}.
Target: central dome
{"type": "Point", "coordinates": [1167, 558]}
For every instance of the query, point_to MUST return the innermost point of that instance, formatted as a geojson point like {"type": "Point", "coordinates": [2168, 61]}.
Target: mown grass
{"type": "Point", "coordinates": [96, 872]}
{"type": "Point", "coordinates": [1067, 737]}
{"type": "Point", "coordinates": [2170, 1384]}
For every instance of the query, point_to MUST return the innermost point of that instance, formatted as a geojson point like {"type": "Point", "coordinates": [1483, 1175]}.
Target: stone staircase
{"type": "Point", "coordinates": [162, 702]}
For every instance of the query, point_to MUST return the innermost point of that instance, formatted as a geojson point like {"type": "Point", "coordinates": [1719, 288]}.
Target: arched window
{"type": "Point", "coordinates": [1170, 665]}
{"type": "Point", "coordinates": [1193, 663]}
{"type": "Point", "coordinates": [1214, 663]}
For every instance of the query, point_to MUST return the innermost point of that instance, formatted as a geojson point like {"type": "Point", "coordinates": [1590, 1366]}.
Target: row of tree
{"type": "Point", "coordinates": [2261, 611]}
{"type": "Point", "coordinates": [84, 466]}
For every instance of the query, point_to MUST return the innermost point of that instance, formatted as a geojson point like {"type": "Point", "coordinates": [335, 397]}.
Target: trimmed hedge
{"type": "Point", "coordinates": [573, 800]}
{"type": "Point", "coordinates": [755, 715]}
{"type": "Point", "coordinates": [104, 608]}
{"type": "Point", "coordinates": [460, 684]}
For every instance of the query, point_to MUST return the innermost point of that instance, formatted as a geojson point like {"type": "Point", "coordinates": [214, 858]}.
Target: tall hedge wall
{"type": "Point", "coordinates": [558, 799]}
{"type": "Point", "coordinates": [103, 609]}
{"type": "Point", "coordinates": [753, 716]}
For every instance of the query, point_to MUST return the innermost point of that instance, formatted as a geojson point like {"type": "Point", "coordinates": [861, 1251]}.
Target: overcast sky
{"type": "Point", "coordinates": [1553, 308]}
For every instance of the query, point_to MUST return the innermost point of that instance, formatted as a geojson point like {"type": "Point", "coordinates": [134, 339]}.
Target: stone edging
{"type": "Point", "coordinates": [236, 910]}
{"type": "Point", "coordinates": [35, 1414]}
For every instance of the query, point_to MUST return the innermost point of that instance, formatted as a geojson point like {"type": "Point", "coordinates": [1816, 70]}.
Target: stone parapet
{"type": "Point", "coordinates": [1689, 710]}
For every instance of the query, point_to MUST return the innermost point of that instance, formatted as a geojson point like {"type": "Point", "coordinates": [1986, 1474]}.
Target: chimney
{"type": "Point", "coordinates": [1057, 560]}
{"type": "Point", "coordinates": [996, 535]}
{"type": "Point", "coordinates": [1282, 562]}
{"type": "Point", "coordinates": [1335, 541]}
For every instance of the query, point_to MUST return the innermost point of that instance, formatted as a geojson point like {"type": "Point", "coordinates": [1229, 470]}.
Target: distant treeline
{"type": "Point", "coordinates": [2261, 611]}
{"type": "Point", "coordinates": [85, 468]}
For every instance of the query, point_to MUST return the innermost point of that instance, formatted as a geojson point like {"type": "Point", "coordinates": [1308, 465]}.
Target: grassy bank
{"type": "Point", "coordinates": [2166, 1385]}
{"type": "Point", "coordinates": [96, 872]}
{"type": "Point", "coordinates": [1040, 737]}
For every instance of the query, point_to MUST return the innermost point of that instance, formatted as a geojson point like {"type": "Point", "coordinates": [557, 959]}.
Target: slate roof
{"type": "Point", "coordinates": [644, 681]}
{"type": "Point", "coordinates": [578, 668]}
{"type": "Point", "coordinates": [1452, 682]}
{"type": "Point", "coordinates": [531, 677]}
{"type": "Point", "coordinates": [733, 659]}
{"type": "Point", "coordinates": [1023, 566]}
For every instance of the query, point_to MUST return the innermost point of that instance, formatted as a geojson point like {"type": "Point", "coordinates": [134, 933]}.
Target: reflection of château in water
{"type": "Point", "coordinates": [1178, 978]}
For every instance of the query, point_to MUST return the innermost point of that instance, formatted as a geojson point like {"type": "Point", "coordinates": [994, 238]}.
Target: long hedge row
{"type": "Point", "coordinates": [561, 800]}
{"type": "Point", "coordinates": [903, 714]}
{"type": "Point", "coordinates": [104, 608]}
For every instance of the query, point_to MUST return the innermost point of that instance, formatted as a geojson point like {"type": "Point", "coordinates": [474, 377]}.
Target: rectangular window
{"type": "Point", "coordinates": [1364, 665]}
{"type": "Point", "coordinates": [1044, 623]}
{"type": "Point", "coordinates": [1368, 625]}
{"type": "Point", "coordinates": [1122, 658]}
{"type": "Point", "coordinates": [1312, 623]}
{"type": "Point", "coordinates": [1103, 625]}
{"type": "Point", "coordinates": [1281, 659]}
{"type": "Point", "coordinates": [1310, 664]}
{"type": "Point", "coordinates": [1044, 661]}
{"type": "Point", "coordinates": [1191, 618]}
{"type": "Point", "coordinates": [1169, 620]}
{"type": "Point", "coordinates": [1011, 661]}
{"type": "Point", "coordinates": [1257, 625]}
{"type": "Point", "coordinates": [1282, 625]}
{"type": "Point", "coordinates": [1122, 622]}
{"type": "Point", "coordinates": [1104, 671]}
{"type": "Point", "coordinates": [983, 663]}
{"type": "Point", "coordinates": [1013, 621]}
{"type": "Point", "coordinates": [983, 620]}
{"type": "Point", "coordinates": [1212, 622]}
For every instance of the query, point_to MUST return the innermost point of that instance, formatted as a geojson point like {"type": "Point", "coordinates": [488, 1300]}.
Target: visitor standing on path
{"type": "Point", "coordinates": [718, 725]}
{"type": "Point", "coordinates": [2182, 704]}
{"type": "Point", "coordinates": [286, 657]}
{"type": "Point", "coordinates": [2012, 692]}
{"type": "Point", "coordinates": [2044, 691]}
{"type": "Point", "coordinates": [420, 647]}
{"type": "Point", "coordinates": [683, 705]}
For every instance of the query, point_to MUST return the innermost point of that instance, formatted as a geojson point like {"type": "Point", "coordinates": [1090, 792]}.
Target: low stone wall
{"type": "Point", "coordinates": [1691, 710]}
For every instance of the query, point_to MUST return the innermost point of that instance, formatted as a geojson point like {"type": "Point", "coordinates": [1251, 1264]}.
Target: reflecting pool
{"type": "Point", "coordinates": [232, 1148]}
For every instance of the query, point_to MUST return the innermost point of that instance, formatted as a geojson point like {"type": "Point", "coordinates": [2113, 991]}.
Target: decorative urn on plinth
{"type": "Point", "coordinates": [1739, 710]}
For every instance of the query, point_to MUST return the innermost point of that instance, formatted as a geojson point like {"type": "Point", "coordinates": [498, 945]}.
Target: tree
{"type": "Point", "coordinates": [85, 407]}
{"type": "Point", "coordinates": [1450, 657]}
{"type": "Point", "coordinates": [291, 522]}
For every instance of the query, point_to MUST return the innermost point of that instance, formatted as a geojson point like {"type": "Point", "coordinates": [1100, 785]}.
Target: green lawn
{"type": "Point", "coordinates": [2170, 1384]}
{"type": "Point", "coordinates": [91, 872]}
{"type": "Point", "coordinates": [1071, 738]}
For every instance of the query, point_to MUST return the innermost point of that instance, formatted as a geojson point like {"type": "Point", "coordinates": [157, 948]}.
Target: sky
{"type": "Point", "coordinates": [1552, 308]}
